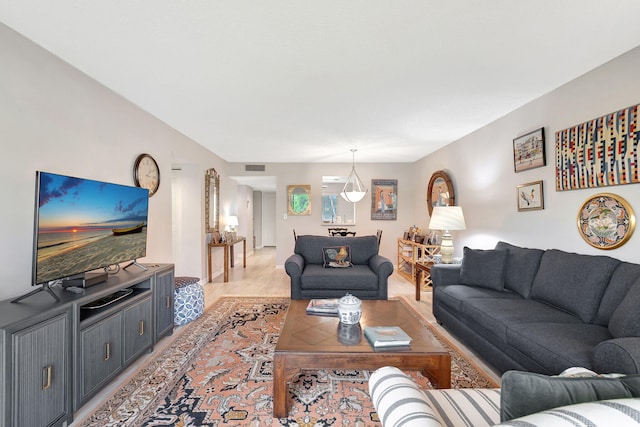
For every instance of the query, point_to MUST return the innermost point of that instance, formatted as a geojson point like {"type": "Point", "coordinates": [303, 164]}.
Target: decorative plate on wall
{"type": "Point", "coordinates": [440, 191]}
{"type": "Point", "coordinates": [606, 221]}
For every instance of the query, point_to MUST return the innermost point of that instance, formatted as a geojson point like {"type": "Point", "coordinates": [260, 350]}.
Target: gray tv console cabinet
{"type": "Point", "coordinates": [55, 356]}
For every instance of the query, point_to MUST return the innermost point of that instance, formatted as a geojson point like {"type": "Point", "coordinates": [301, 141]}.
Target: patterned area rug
{"type": "Point", "coordinates": [218, 372]}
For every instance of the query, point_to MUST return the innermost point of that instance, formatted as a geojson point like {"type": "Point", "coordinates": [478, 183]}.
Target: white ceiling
{"type": "Point", "coordinates": [306, 81]}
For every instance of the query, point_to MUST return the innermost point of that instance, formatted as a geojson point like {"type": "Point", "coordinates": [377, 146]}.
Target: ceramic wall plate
{"type": "Point", "coordinates": [606, 221]}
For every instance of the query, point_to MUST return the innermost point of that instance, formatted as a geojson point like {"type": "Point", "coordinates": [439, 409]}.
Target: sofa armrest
{"type": "Point", "coordinates": [445, 274]}
{"type": "Point", "coordinates": [381, 266]}
{"type": "Point", "coordinates": [398, 400]}
{"type": "Point", "coordinates": [294, 265]}
{"type": "Point", "coordinates": [618, 356]}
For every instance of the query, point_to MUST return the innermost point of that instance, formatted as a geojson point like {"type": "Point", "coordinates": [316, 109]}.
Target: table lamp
{"type": "Point", "coordinates": [447, 218]}
{"type": "Point", "coordinates": [232, 222]}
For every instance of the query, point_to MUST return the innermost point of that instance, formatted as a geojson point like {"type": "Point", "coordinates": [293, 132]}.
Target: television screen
{"type": "Point", "coordinates": [83, 225]}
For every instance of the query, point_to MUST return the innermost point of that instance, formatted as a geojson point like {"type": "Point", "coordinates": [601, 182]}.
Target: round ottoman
{"type": "Point", "coordinates": [188, 300]}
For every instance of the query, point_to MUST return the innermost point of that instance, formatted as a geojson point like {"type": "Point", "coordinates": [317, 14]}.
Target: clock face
{"type": "Point", "coordinates": [146, 173]}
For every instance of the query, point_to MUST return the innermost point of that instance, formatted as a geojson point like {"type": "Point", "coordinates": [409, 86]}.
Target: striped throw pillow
{"type": "Point", "coordinates": [602, 413]}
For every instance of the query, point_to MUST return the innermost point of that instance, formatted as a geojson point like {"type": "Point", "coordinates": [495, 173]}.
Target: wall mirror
{"type": "Point", "coordinates": [299, 199]}
{"type": "Point", "coordinates": [335, 209]}
{"type": "Point", "coordinates": [212, 200]}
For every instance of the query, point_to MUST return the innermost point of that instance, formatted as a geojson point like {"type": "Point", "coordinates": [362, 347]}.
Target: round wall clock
{"type": "Point", "coordinates": [606, 221]}
{"type": "Point", "coordinates": [146, 173]}
{"type": "Point", "coordinates": [440, 191]}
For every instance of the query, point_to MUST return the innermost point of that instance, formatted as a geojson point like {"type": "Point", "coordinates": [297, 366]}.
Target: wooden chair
{"type": "Point", "coordinates": [337, 231]}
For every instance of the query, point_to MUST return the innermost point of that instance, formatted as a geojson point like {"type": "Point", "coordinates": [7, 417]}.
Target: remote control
{"type": "Point", "coordinates": [74, 289]}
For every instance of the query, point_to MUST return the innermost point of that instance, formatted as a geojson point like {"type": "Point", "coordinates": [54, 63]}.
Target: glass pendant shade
{"type": "Point", "coordinates": [353, 190]}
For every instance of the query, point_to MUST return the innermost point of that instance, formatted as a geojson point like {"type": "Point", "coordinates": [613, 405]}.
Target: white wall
{"type": "Point", "coordinates": [56, 119]}
{"type": "Point", "coordinates": [311, 173]}
{"type": "Point", "coordinates": [481, 167]}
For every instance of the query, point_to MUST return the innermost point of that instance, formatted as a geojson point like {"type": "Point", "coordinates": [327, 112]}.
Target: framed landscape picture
{"type": "Point", "coordinates": [528, 151]}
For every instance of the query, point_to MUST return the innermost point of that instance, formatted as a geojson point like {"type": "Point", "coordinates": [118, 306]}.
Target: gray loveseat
{"type": "Point", "coordinates": [365, 279]}
{"type": "Point", "coordinates": [542, 311]}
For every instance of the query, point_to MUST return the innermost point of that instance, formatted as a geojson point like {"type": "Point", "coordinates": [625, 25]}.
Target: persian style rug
{"type": "Point", "coordinates": [217, 371]}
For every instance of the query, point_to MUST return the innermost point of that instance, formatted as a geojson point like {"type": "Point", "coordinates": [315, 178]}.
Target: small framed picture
{"type": "Point", "coordinates": [528, 151]}
{"type": "Point", "coordinates": [530, 196]}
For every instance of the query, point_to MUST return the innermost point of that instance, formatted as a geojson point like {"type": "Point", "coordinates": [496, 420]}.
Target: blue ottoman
{"type": "Point", "coordinates": [188, 301]}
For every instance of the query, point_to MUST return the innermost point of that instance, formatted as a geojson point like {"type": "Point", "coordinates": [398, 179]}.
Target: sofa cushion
{"type": "Point", "coordinates": [455, 295]}
{"type": "Point", "coordinates": [496, 315]}
{"type": "Point", "coordinates": [624, 276]}
{"type": "Point", "coordinates": [336, 256]}
{"type": "Point", "coordinates": [625, 321]}
{"type": "Point", "coordinates": [484, 268]}
{"type": "Point", "coordinates": [573, 282]}
{"type": "Point", "coordinates": [357, 277]}
{"type": "Point", "coordinates": [524, 393]}
{"type": "Point", "coordinates": [520, 268]}
{"type": "Point", "coordinates": [557, 346]}
{"type": "Point", "coordinates": [310, 247]}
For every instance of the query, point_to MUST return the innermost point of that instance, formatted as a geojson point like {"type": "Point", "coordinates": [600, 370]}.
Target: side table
{"type": "Point", "coordinates": [228, 255]}
{"type": "Point", "coordinates": [421, 269]}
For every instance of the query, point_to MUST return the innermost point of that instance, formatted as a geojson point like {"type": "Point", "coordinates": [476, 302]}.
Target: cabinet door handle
{"type": "Point", "coordinates": [107, 351]}
{"type": "Point", "coordinates": [46, 377]}
{"type": "Point", "coordinates": [141, 327]}
{"type": "Point", "coordinates": [168, 302]}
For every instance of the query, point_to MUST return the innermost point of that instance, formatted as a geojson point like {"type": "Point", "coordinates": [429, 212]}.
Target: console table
{"type": "Point", "coordinates": [228, 255]}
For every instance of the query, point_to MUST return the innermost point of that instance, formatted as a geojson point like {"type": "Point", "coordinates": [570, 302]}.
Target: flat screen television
{"type": "Point", "coordinates": [83, 225]}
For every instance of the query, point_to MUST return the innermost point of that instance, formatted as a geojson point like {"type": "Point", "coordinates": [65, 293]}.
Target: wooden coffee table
{"type": "Point", "coordinates": [321, 342]}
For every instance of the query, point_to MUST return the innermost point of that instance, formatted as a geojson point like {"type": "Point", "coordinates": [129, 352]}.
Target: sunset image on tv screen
{"type": "Point", "coordinates": [83, 225]}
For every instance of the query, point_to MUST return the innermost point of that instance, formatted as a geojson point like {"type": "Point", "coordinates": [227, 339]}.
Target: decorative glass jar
{"type": "Point", "coordinates": [349, 309]}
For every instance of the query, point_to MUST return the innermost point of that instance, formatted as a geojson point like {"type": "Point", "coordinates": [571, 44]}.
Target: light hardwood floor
{"type": "Point", "coordinates": [262, 278]}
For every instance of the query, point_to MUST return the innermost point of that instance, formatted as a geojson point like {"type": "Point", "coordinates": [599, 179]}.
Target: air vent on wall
{"type": "Point", "coordinates": [254, 168]}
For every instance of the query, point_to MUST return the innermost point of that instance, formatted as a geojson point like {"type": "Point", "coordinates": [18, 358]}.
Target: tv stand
{"type": "Point", "coordinates": [137, 264]}
{"type": "Point", "coordinates": [44, 287]}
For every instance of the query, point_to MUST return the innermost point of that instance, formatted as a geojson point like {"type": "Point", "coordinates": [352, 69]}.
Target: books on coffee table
{"type": "Point", "coordinates": [323, 307]}
{"type": "Point", "coordinates": [386, 336]}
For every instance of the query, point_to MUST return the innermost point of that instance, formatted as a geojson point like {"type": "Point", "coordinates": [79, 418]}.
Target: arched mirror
{"type": "Point", "coordinates": [299, 199]}
{"type": "Point", "coordinates": [212, 200]}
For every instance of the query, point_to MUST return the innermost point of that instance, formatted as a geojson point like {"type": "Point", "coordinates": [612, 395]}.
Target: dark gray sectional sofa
{"type": "Point", "coordinates": [366, 278]}
{"type": "Point", "coordinates": [542, 310]}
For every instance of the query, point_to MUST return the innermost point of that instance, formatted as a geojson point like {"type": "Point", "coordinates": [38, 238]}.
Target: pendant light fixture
{"type": "Point", "coordinates": [353, 190]}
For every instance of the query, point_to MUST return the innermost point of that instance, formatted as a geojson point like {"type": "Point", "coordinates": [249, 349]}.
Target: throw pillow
{"type": "Point", "coordinates": [336, 256]}
{"type": "Point", "coordinates": [484, 268]}
{"type": "Point", "coordinates": [603, 413]}
{"type": "Point", "coordinates": [524, 393]}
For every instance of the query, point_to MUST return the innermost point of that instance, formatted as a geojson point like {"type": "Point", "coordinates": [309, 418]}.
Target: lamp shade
{"type": "Point", "coordinates": [353, 190]}
{"type": "Point", "coordinates": [447, 218]}
{"type": "Point", "coordinates": [232, 220]}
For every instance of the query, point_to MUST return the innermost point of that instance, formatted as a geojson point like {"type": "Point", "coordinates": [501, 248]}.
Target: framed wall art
{"type": "Point", "coordinates": [600, 152]}
{"type": "Point", "coordinates": [606, 221]}
{"type": "Point", "coordinates": [528, 151]}
{"type": "Point", "coordinates": [299, 199]}
{"type": "Point", "coordinates": [384, 199]}
{"type": "Point", "coordinates": [530, 196]}
{"type": "Point", "coordinates": [440, 191]}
